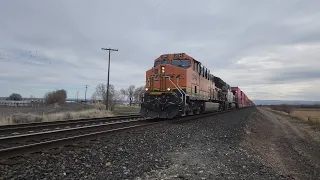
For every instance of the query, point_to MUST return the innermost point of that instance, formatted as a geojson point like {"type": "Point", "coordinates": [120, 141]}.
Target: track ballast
{"type": "Point", "coordinates": [17, 145]}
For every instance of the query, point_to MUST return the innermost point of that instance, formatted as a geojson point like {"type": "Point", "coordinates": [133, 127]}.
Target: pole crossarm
{"type": "Point", "coordinates": [109, 49]}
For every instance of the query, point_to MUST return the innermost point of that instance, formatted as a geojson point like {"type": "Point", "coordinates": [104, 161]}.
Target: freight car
{"type": "Point", "coordinates": [178, 85]}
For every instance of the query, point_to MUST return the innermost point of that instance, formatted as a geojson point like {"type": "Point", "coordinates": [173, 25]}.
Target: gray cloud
{"type": "Point", "coordinates": [295, 76]}
{"type": "Point", "coordinates": [257, 46]}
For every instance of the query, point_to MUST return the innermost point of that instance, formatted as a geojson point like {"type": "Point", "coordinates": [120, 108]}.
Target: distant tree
{"type": "Point", "coordinates": [15, 97]}
{"type": "Point", "coordinates": [129, 92]}
{"type": "Point", "coordinates": [138, 93]}
{"type": "Point", "coordinates": [94, 96]}
{"type": "Point", "coordinates": [283, 107]}
{"type": "Point", "coordinates": [58, 96]}
{"type": "Point", "coordinates": [117, 98]}
{"type": "Point", "coordinates": [113, 98]}
{"type": "Point", "coordinates": [31, 97]}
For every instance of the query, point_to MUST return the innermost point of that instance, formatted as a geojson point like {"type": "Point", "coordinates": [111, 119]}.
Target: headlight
{"type": "Point", "coordinates": [147, 89]}
{"type": "Point", "coordinates": [168, 89]}
{"type": "Point", "coordinates": [163, 69]}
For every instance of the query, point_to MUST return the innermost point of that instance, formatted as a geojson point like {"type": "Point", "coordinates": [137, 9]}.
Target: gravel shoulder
{"type": "Point", "coordinates": [288, 145]}
{"type": "Point", "coordinates": [217, 147]}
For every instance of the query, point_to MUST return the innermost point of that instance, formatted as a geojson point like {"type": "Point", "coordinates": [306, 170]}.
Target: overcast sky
{"type": "Point", "coordinates": [270, 49]}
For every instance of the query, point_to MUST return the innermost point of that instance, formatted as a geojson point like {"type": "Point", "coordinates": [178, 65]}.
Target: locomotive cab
{"type": "Point", "coordinates": [165, 94]}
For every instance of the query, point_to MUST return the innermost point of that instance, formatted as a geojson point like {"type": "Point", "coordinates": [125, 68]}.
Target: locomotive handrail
{"type": "Point", "coordinates": [179, 89]}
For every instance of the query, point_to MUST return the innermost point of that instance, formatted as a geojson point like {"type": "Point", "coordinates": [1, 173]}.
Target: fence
{"type": "Point", "coordinates": [28, 103]}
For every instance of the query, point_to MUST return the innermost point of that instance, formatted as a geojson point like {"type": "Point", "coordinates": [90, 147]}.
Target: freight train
{"type": "Point", "coordinates": [179, 85]}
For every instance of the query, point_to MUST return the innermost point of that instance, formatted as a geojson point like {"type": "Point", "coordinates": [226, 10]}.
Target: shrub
{"type": "Point", "coordinates": [20, 118]}
{"type": "Point", "coordinates": [283, 107]}
{"type": "Point", "coordinates": [15, 97]}
{"type": "Point", "coordinates": [67, 115]}
{"type": "Point", "coordinates": [58, 96]}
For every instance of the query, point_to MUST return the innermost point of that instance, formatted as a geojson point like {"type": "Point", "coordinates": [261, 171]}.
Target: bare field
{"type": "Point", "coordinates": [310, 115]}
{"type": "Point", "coordinates": [42, 113]}
{"type": "Point", "coordinates": [126, 110]}
{"type": "Point", "coordinates": [305, 114]}
{"type": "Point", "coordinates": [20, 118]}
{"type": "Point", "coordinates": [68, 111]}
{"type": "Point", "coordinates": [40, 108]}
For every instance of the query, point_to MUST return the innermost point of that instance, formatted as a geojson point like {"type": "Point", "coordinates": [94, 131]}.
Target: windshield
{"type": "Point", "coordinates": [184, 63]}
{"type": "Point", "coordinates": [161, 62]}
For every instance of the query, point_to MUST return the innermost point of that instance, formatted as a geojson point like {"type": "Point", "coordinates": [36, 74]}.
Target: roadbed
{"type": "Point", "coordinates": [251, 143]}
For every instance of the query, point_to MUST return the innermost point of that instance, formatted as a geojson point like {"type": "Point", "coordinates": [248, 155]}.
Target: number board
{"type": "Point", "coordinates": [178, 56]}
{"type": "Point", "coordinates": [164, 57]}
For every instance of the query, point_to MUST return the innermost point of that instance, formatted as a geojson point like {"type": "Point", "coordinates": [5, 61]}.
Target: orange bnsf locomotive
{"type": "Point", "coordinates": [178, 85]}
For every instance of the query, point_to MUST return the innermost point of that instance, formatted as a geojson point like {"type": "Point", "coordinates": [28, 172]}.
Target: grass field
{"type": "Point", "coordinates": [310, 115]}
{"type": "Point", "coordinates": [18, 115]}
{"type": "Point", "coordinates": [20, 118]}
{"type": "Point", "coordinates": [126, 110]}
{"type": "Point", "coordinates": [46, 109]}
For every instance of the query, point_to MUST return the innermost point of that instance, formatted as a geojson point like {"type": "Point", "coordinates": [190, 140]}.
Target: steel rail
{"type": "Point", "coordinates": [45, 134]}
{"type": "Point", "coordinates": [35, 126]}
{"type": "Point", "coordinates": [36, 147]}
{"type": "Point", "coordinates": [19, 150]}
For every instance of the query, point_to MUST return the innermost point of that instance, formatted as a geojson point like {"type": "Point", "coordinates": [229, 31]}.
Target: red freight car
{"type": "Point", "coordinates": [243, 95]}
{"type": "Point", "coordinates": [238, 96]}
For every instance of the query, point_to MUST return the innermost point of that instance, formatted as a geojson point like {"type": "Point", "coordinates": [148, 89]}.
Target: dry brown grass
{"type": "Point", "coordinates": [310, 115]}
{"type": "Point", "coordinates": [99, 105]}
{"type": "Point", "coordinates": [20, 118]}
{"type": "Point", "coordinates": [5, 120]}
{"type": "Point", "coordinates": [306, 114]}
{"type": "Point", "coordinates": [125, 110]}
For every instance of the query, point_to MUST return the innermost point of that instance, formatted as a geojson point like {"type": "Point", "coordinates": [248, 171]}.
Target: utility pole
{"type": "Point", "coordinates": [77, 95]}
{"type": "Point", "coordinates": [85, 95]}
{"type": "Point", "coordinates": [108, 49]}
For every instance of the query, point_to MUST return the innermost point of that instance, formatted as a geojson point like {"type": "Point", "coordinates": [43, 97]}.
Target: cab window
{"type": "Point", "coordinates": [184, 63]}
{"type": "Point", "coordinates": [161, 62]}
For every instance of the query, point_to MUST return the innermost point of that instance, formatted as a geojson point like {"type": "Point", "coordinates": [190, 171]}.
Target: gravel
{"type": "Point", "coordinates": [286, 144]}
{"type": "Point", "coordinates": [200, 149]}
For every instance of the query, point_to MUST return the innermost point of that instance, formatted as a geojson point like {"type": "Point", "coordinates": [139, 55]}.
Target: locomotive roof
{"type": "Point", "coordinates": [174, 56]}
{"type": "Point", "coordinates": [177, 56]}
{"type": "Point", "coordinates": [181, 56]}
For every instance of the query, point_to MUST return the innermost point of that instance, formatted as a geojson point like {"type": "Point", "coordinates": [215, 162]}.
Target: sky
{"type": "Point", "coordinates": [270, 49]}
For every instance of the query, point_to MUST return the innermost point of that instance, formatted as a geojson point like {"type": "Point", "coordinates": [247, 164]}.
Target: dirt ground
{"type": "Point", "coordinates": [286, 144]}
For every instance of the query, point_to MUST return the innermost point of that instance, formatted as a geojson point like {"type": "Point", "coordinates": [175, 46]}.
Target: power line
{"type": "Point", "coordinates": [159, 4]}
{"type": "Point", "coordinates": [108, 49]}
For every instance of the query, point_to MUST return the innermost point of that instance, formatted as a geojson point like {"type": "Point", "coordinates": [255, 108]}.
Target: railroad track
{"type": "Point", "coordinates": [17, 145]}
{"type": "Point", "coordinates": [46, 126]}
